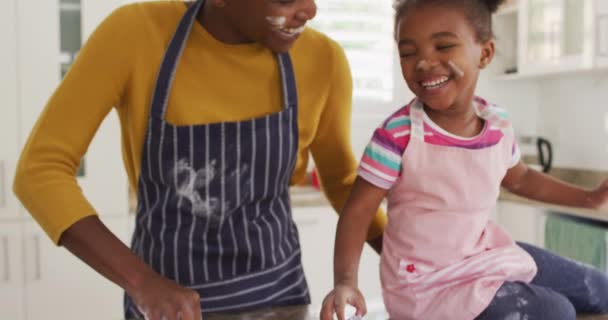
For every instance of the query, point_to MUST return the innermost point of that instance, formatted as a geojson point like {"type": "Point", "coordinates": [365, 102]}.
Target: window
{"type": "Point", "coordinates": [70, 41]}
{"type": "Point", "coordinates": [70, 32]}
{"type": "Point", "coordinates": [365, 30]}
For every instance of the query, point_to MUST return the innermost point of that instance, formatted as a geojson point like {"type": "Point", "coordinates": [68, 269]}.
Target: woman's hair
{"type": "Point", "coordinates": [478, 13]}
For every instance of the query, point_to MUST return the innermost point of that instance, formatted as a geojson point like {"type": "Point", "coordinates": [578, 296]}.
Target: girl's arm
{"type": "Point", "coordinates": [357, 215]}
{"type": "Point", "coordinates": [535, 185]}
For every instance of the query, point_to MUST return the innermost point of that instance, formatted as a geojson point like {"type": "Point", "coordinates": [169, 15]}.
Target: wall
{"type": "Point", "coordinates": [575, 118]}
{"type": "Point", "coordinates": [368, 115]}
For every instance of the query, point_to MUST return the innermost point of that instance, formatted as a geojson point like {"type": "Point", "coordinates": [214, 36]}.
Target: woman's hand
{"type": "Point", "coordinates": [336, 301]}
{"type": "Point", "coordinates": [599, 197]}
{"type": "Point", "coordinates": [158, 298]}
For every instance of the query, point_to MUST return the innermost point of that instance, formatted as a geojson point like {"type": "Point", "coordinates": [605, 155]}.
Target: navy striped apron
{"type": "Point", "coordinates": [213, 208]}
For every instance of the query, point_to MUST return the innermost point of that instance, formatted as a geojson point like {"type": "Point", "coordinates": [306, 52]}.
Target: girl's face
{"type": "Point", "coordinates": [440, 56]}
{"type": "Point", "coordinates": [276, 24]}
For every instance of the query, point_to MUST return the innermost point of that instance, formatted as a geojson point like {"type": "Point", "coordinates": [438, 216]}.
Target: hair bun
{"type": "Point", "coordinates": [493, 4]}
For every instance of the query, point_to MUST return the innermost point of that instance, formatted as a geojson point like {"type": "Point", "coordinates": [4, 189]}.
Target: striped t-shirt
{"type": "Point", "coordinates": [381, 161]}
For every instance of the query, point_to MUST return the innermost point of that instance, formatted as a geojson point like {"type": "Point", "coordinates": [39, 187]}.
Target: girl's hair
{"type": "Point", "coordinates": [478, 13]}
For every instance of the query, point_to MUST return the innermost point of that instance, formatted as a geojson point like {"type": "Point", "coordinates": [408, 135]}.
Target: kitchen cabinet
{"type": "Point", "coordinates": [601, 27]}
{"type": "Point", "coordinates": [522, 222]}
{"type": "Point", "coordinates": [38, 280]}
{"type": "Point", "coordinates": [552, 35]}
{"type": "Point", "coordinates": [9, 129]}
{"type": "Point", "coordinates": [317, 229]}
{"type": "Point", "coordinates": [12, 305]}
{"type": "Point", "coordinates": [544, 37]}
{"type": "Point", "coordinates": [60, 286]}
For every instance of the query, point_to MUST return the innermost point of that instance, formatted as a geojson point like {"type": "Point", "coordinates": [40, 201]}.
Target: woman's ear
{"type": "Point", "coordinates": [487, 53]}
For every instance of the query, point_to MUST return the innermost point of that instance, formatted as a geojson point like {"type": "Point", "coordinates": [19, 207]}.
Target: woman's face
{"type": "Point", "coordinates": [440, 55]}
{"type": "Point", "coordinates": [276, 24]}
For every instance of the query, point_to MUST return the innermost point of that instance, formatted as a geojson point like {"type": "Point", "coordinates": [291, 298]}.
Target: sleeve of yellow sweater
{"type": "Point", "coordinates": [331, 148]}
{"type": "Point", "coordinates": [45, 180]}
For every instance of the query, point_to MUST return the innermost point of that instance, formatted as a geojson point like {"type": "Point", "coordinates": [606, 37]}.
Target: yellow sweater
{"type": "Point", "coordinates": [214, 82]}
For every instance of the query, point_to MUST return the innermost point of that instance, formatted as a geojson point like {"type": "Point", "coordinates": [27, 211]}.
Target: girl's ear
{"type": "Point", "coordinates": [487, 53]}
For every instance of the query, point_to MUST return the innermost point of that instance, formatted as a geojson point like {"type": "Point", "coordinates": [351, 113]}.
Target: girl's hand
{"type": "Point", "coordinates": [336, 301]}
{"type": "Point", "coordinates": [159, 298]}
{"type": "Point", "coordinates": [599, 197]}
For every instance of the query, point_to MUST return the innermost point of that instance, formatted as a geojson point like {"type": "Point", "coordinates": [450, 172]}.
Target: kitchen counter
{"type": "Point", "coordinates": [583, 178]}
{"type": "Point", "coordinates": [307, 196]}
{"type": "Point", "coordinates": [592, 317]}
{"type": "Point", "coordinates": [597, 215]}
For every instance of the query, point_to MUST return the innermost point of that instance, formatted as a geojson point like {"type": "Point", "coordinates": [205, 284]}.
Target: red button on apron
{"type": "Point", "coordinates": [410, 268]}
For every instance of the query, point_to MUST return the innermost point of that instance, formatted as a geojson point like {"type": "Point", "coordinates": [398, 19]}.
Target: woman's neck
{"type": "Point", "coordinates": [213, 19]}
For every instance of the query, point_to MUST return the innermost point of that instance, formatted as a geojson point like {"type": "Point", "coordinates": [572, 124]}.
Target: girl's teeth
{"type": "Point", "coordinates": [435, 83]}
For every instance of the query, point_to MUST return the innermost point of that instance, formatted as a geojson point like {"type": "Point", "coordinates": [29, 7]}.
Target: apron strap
{"type": "Point", "coordinates": [173, 54]}
{"type": "Point", "coordinates": [288, 83]}
{"type": "Point", "coordinates": [417, 118]}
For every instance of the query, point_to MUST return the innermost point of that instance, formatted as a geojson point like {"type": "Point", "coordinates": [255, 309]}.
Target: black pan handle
{"type": "Point", "coordinates": [545, 154]}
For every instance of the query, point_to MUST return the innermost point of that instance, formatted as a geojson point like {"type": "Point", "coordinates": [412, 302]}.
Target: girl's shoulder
{"type": "Point", "coordinates": [398, 120]}
{"type": "Point", "coordinates": [496, 116]}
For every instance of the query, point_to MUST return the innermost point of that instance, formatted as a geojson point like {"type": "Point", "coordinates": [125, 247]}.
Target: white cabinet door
{"type": "Point", "coordinates": [602, 32]}
{"type": "Point", "coordinates": [9, 130]}
{"type": "Point", "coordinates": [11, 278]}
{"type": "Point", "coordinates": [523, 222]}
{"type": "Point", "coordinates": [317, 229]}
{"type": "Point", "coordinates": [60, 286]}
{"type": "Point", "coordinates": [553, 36]}
{"type": "Point", "coordinates": [38, 62]}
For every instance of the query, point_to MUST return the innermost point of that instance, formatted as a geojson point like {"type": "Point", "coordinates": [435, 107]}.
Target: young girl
{"type": "Point", "coordinates": [441, 161]}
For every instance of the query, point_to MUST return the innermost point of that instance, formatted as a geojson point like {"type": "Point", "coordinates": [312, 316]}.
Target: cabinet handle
{"type": "Point", "coordinates": [34, 241]}
{"type": "Point", "coordinates": [2, 186]}
{"type": "Point", "coordinates": [6, 257]}
{"type": "Point", "coordinates": [37, 273]}
{"type": "Point", "coordinates": [602, 35]}
{"type": "Point", "coordinates": [306, 222]}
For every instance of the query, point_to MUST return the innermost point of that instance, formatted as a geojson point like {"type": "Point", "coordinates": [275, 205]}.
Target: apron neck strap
{"type": "Point", "coordinates": [164, 81]}
{"type": "Point", "coordinates": [173, 54]}
{"type": "Point", "coordinates": [417, 118]}
{"type": "Point", "coordinates": [288, 81]}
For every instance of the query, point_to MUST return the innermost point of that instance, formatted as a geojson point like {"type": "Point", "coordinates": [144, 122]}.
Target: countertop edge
{"type": "Point", "coordinates": [596, 215]}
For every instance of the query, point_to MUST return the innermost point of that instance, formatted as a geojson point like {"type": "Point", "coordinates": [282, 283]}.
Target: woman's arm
{"type": "Point", "coordinates": [535, 185]}
{"type": "Point", "coordinates": [154, 295]}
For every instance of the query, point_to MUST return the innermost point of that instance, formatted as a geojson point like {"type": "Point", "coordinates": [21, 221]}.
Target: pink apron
{"type": "Point", "coordinates": [442, 256]}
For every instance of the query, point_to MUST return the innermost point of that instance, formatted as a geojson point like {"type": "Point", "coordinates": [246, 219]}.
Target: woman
{"type": "Point", "coordinates": [211, 141]}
